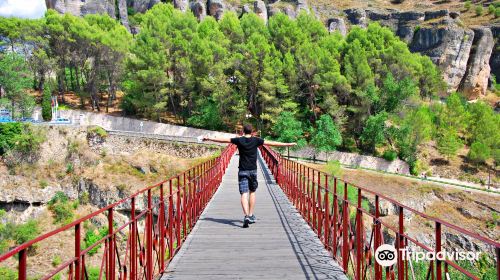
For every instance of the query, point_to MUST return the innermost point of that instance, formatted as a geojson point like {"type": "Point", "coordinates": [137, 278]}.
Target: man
{"type": "Point", "coordinates": [247, 173]}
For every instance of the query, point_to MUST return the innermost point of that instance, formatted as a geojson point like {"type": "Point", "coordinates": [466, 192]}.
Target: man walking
{"type": "Point", "coordinates": [247, 173]}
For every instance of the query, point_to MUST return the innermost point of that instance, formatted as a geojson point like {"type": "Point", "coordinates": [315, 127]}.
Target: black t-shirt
{"type": "Point", "coordinates": [247, 146]}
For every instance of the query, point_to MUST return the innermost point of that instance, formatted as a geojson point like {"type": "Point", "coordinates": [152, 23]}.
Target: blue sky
{"type": "Point", "coordinates": [22, 8]}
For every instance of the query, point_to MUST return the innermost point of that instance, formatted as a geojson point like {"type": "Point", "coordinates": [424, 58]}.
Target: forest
{"type": "Point", "coordinates": [295, 81]}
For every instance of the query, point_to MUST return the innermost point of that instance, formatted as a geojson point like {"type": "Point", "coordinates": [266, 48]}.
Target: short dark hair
{"type": "Point", "coordinates": [247, 128]}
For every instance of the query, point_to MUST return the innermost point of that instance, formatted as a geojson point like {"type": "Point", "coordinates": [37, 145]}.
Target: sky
{"type": "Point", "coordinates": [22, 8]}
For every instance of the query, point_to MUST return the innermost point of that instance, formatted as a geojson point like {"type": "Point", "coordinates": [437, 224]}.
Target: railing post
{"type": "Point", "coordinates": [376, 236]}
{"type": "Point", "coordinates": [335, 217]}
{"type": "Point", "coordinates": [111, 264]}
{"type": "Point", "coordinates": [161, 223]}
{"type": "Point", "coordinates": [149, 239]}
{"type": "Point", "coordinates": [359, 238]}
{"type": "Point", "coordinates": [327, 214]}
{"type": "Point", "coordinates": [21, 274]}
{"type": "Point", "coordinates": [170, 221]}
{"type": "Point", "coordinates": [133, 242]}
{"type": "Point", "coordinates": [178, 213]}
{"type": "Point", "coordinates": [77, 251]}
{"type": "Point", "coordinates": [400, 245]}
{"type": "Point", "coordinates": [184, 206]}
{"type": "Point", "coordinates": [439, 273]}
{"type": "Point", "coordinates": [345, 231]}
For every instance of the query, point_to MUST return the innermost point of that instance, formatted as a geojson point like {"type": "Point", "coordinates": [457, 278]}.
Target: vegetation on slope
{"type": "Point", "coordinates": [289, 77]}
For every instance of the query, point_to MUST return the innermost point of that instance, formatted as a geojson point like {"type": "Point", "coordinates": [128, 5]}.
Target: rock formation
{"type": "Point", "coordinates": [448, 46]}
{"type": "Point", "coordinates": [216, 8]}
{"type": "Point", "coordinates": [141, 6]}
{"type": "Point", "coordinates": [476, 77]}
{"type": "Point", "coordinates": [181, 4]}
{"type": "Point", "coordinates": [260, 9]}
{"type": "Point", "coordinates": [199, 9]}
{"type": "Point", "coordinates": [81, 8]}
{"type": "Point", "coordinates": [337, 24]}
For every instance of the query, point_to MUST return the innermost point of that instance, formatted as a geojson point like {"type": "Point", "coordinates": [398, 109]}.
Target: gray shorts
{"type": "Point", "coordinates": [247, 180]}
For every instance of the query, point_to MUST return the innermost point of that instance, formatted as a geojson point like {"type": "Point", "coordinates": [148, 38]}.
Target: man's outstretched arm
{"type": "Point", "coordinates": [217, 139]}
{"type": "Point", "coordinates": [278, 144]}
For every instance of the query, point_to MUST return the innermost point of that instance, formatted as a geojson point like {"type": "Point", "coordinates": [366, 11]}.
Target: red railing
{"type": "Point", "coordinates": [336, 210]}
{"type": "Point", "coordinates": [142, 246]}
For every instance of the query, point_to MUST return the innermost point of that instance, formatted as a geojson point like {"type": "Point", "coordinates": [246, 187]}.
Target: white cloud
{"type": "Point", "coordinates": [22, 8]}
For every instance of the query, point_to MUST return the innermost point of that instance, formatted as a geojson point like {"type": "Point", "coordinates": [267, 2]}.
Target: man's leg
{"type": "Point", "coordinates": [252, 203]}
{"type": "Point", "coordinates": [244, 202]}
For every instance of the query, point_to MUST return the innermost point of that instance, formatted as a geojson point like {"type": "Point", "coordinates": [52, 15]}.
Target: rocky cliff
{"type": "Point", "coordinates": [466, 56]}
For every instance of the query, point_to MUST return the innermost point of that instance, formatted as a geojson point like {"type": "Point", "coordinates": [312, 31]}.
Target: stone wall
{"type": "Point", "coordinates": [128, 124]}
{"type": "Point", "coordinates": [352, 159]}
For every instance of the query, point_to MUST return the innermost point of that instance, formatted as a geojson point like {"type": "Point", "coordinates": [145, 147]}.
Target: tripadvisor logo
{"type": "Point", "coordinates": [386, 255]}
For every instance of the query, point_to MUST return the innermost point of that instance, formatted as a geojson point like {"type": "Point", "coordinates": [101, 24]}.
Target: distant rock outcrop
{"type": "Point", "coordinates": [475, 81]}
{"type": "Point", "coordinates": [337, 24]}
{"type": "Point", "coordinates": [216, 8]}
{"type": "Point", "coordinates": [81, 8]}
{"type": "Point", "coordinates": [448, 46]}
{"type": "Point", "coordinates": [260, 9]}
{"type": "Point", "coordinates": [142, 6]}
{"type": "Point", "coordinates": [182, 5]}
{"type": "Point", "coordinates": [199, 9]}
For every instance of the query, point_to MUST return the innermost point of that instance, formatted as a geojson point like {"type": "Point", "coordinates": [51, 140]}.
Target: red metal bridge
{"type": "Point", "coordinates": [310, 225]}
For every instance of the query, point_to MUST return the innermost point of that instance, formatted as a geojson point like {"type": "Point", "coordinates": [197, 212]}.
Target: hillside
{"type": "Point", "coordinates": [73, 172]}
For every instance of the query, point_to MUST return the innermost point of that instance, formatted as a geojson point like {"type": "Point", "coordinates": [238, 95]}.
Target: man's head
{"type": "Point", "coordinates": [247, 128]}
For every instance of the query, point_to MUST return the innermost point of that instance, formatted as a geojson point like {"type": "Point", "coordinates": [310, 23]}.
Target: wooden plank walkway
{"type": "Point", "coordinates": [279, 246]}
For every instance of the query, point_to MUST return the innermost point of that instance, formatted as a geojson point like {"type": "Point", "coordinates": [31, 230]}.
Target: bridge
{"type": "Point", "coordinates": [310, 225]}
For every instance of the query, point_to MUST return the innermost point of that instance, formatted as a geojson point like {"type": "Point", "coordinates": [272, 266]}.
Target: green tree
{"type": "Point", "coordinates": [448, 142]}
{"type": "Point", "coordinates": [374, 131]}
{"type": "Point", "coordinates": [479, 152]}
{"type": "Point", "coordinates": [288, 129]}
{"type": "Point", "coordinates": [47, 103]}
{"type": "Point", "coordinates": [326, 137]}
{"type": "Point", "coordinates": [15, 79]}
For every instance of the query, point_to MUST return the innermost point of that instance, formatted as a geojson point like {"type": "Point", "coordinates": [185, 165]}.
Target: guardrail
{"type": "Point", "coordinates": [141, 247]}
{"type": "Point", "coordinates": [494, 188]}
{"type": "Point", "coordinates": [335, 210]}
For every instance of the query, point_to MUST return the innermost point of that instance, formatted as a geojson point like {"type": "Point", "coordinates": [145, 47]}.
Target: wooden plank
{"type": "Point", "coordinates": [279, 246]}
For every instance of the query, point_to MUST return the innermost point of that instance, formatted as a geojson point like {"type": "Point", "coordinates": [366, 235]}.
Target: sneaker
{"type": "Point", "coordinates": [246, 222]}
{"type": "Point", "coordinates": [252, 219]}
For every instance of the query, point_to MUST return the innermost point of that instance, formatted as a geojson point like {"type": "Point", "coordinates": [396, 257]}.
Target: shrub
{"type": "Point", "coordinates": [93, 236]}
{"type": "Point", "coordinates": [93, 273]}
{"type": "Point", "coordinates": [61, 208]}
{"type": "Point", "coordinates": [25, 232]}
{"type": "Point", "coordinates": [69, 168]}
{"type": "Point", "coordinates": [390, 155]}
{"type": "Point", "coordinates": [84, 198]}
{"type": "Point", "coordinates": [479, 10]}
{"type": "Point", "coordinates": [479, 152]}
{"type": "Point", "coordinates": [19, 142]}
{"type": "Point", "coordinates": [43, 183]}
{"type": "Point", "coordinates": [491, 9]}
{"type": "Point", "coordinates": [8, 273]}
{"type": "Point", "coordinates": [497, 12]}
{"type": "Point", "coordinates": [56, 261]}
{"type": "Point", "coordinates": [334, 168]}
{"type": "Point", "coordinates": [97, 130]}
{"type": "Point", "coordinates": [467, 5]}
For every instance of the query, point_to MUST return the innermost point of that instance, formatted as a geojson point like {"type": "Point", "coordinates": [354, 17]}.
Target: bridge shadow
{"type": "Point", "coordinates": [304, 241]}
{"type": "Point", "coordinates": [230, 222]}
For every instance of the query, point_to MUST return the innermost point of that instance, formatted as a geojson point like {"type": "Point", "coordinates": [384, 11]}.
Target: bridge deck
{"type": "Point", "coordinates": [279, 245]}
